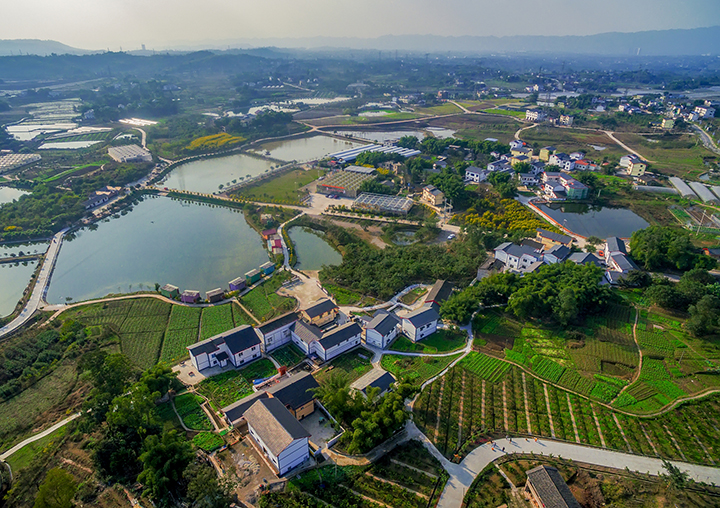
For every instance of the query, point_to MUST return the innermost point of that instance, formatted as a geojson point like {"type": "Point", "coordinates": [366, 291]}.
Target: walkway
{"type": "Point", "coordinates": [610, 134]}
{"type": "Point", "coordinates": [36, 437]}
{"type": "Point", "coordinates": [463, 474]}
{"type": "Point", "coordinates": [37, 298]}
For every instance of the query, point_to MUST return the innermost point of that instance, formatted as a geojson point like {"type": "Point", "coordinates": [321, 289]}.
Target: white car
{"type": "Point", "coordinates": [451, 236]}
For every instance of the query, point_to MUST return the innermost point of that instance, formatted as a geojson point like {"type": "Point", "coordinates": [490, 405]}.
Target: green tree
{"type": "Point", "coordinates": [57, 491]}
{"type": "Point", "coordinates": [160, 378]}
{"type": "Point", "coordinates": [704, 315]}
{"type": "Point", "coordinates": [164, 460]}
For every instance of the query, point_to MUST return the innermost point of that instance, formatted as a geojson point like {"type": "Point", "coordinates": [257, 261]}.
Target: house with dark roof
{"type": "Point", "coordinates": [517, 257]}
{"type": "Point", "coordinates": [621, 263]}
{"type": "Point", "coordinates": [326, 345]}
{"type": "Point", "coordinates": [440, 292]}
{"type": "Point", "coordinates": [376, 378]}
{"type": "Point", "coordinates": [545, 488]}
{"type": "Point", "coordinates": [214, 295]}
{"type": "Point", "coordinates": [548, 238]}
{"type": "Point", "coordinates": [421, 322]}
{"type": "Point", "coordinates": [556, 254]}
{"type": "Point", "coordinates": [614, 245]}
{"type": "Point", "coordinates": [297, 393]}
{"type": "Point", "coordinates": [382, 329]}
{"type": "Point", "coordinates": [283, 439]}
{"type": "Point", "coordinates": [585, 258]}
{"type": "Point", "coordinates": [237, 347]}
{"type": "Point", "coordinates": [276, 332]}
{"type": "Point", "coordinates": [320, 313]}
{"type": "Point", "coordinates": [190, 296]}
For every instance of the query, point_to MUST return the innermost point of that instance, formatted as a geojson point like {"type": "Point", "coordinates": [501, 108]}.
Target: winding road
{"type": "Point", "coordinates": [37, 297]}
{"type": "Point", "coordinates": [706, 139]}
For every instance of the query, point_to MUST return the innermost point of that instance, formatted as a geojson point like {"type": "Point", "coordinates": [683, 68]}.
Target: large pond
{"type": "Point", "coordinates": [22, 249]}
{"type": "Point", "coordinates": [312, 250]}
{"type": "Point", "coordinates": [161, 240]}
{"type": "Point", "coordinates": [206, 175]}
{"type": "Point", "coordinates": [8, 194]}
{"type": "Point", "coordinates": [587, 221]}
{"type": "Point", "coordinates": [14, 278]}
{"type": "Point", "coordinates": [305, 149]}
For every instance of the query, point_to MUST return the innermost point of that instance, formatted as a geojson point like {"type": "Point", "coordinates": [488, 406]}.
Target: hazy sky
{"type": "Point", "coordinates": [98, 24]}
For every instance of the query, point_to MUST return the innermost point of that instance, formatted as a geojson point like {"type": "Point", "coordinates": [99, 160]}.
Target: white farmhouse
{"type": "Point", "coordinates": [421, 322]}
{"type": "Point", "coordinates": [382, 330]}
{"type": "Point", "coordinates": [279, 435]}
{"type": "Point", "coordinates": [237, 346]}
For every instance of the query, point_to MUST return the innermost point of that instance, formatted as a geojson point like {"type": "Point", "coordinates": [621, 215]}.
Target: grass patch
{"type": "Point", "coordinates": [442, 341]}
{"type": "Point", "coordinates": [216, 320]}
{"type": "Point", "coordinates": [343, 296]}
{"type": "Point", "coordinates": [288, 356]}
{"type": "Point", "coordinates": [413, 296]}
{"type": "Point", "coordinates": [263, 301]}
{"type": "Point", "coordinates": [354, 364]}
{"type": "Point", "coordinates": [495, 111]}
{"type": "Point", "coordinates": [416, 368]}
{"type": "Point", "coordinates": [208, 441]}
{"type": "Point", "coordinates": [188, 407]}
{"type": "Point", "coordinates": [228, 387]}
{"type": "Point", "coordinates": [25, 455]}
{"type": "Point", "coordinates": [284, 188]}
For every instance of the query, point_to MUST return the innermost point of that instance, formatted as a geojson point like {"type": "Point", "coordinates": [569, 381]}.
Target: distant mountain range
{"type": "Point", "coordinates": [690, 42]}
{"type": "Point", "coordinates": [37, 47]}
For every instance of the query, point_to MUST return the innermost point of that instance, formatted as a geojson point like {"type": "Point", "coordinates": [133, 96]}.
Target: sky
{"type": "Point", "coordinates": [111, 24]}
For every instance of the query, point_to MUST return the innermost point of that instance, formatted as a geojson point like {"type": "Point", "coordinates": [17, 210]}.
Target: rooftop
{"type": "Point", "coordinates": [551, 488]}
{"type": "Point", "coordinates": [278, 322]}
{"type": "Point", "coordinates": [382, 322]}
{"type": "Point", "coordinates": [340, 334]}
{"type": "Point", "coordinates": [320, 308]}
{"type": "Point", "coordinates": [274, 424]}
{"type": "Point", "coordinates": [422, 316]}
{"type": "Point", "coordinates": [440, 292]}
{"type": "Point", "coordinates": [383, 202]}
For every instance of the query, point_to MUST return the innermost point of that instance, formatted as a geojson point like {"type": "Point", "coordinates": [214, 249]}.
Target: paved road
{"type": "Point", "coordinates": [37, 296]}
{"type": "Point", "coordinates": [19, 446]}
{"type": "Point", "coordinates": [706, 139]}
{"type": "Point", "coordinates": [144, 136]}
{"type": "Point", "coordinates": [463, 474]}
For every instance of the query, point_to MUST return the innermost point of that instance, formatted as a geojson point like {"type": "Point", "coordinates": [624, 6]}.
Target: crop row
{"type": "Point", "coordinates": [488, 368]}
{"type": "Point", "coordinates": [174, 346]}
{"type": "Point", "coordinates": [142, 348]}
{"type": "Point", "coordinates": [183, 317]}
{"type": "Point", "coordinates": [547, 368]}
{"type": "Point", "coordinates": [216, 320]}
{"type": "Point", "coordinates": [152, 323]}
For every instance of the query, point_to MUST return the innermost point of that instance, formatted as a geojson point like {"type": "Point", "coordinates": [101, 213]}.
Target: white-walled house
{"type": "Point", "coordinates": [517, 257]}
{"type": "Point", "coordinates": [382, 329]}
{"type": "Point", "coordinates": [237, 347]}
{"type": "Point", "coordinates": [277, 332]}
{"type": "Point", "coordinates": [421, 322]}
{"type": "Point", "coordinates": [326, 345]}
{"type": "Point", "coordinates": [283, 439]}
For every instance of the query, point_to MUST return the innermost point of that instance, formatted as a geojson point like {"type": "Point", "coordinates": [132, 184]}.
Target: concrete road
{"type": "Point", "coordinates": [40, 435]}
{"type": "Point", "coordinates": [39, 291]}
{"type": "Point", "coordinates": [463, 474]}
{"type": "Point", "coordinates": [706, 139]}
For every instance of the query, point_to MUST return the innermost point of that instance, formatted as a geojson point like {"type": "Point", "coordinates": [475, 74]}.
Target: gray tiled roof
{"type": "Point", "coordinates": [274, 424]}
{"type": "Point", "coordinates": [556, 237]}
{"type": "Point", "coordinates": [295, 391]}
{"type": "Point", "coordinates": [307, 332]}
{"type": "Point", "coordinates": [440, 292]}
{"type": "Point", "coordinates": [615, 244]}
{"type": "Point", "coordinates": [240, 338]}
{"type": "Point", "coordinates": [422, 316]}
{"type": "Point", "coordinates": [236, 410]}
{"type": "Point", "coordinates": [551, 488]}
{"type": "Point", "coordinates": [339, 335]}
{"type": "Point", "coordinates": [584, 258]}
{"type": "Point", "coordinates": [320, 308]}
{"type": "Point", "coordinates": [278, 322]}
{"type": "Point", "coordinates": [382, 322]}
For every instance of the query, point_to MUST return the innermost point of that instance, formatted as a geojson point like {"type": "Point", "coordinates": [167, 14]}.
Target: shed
{"type": "Point", "coordinates": [237, 284]}
{"type": "Point", "coordinates": [170, 291]}
{"type": "Point", "coordinates": [267, 268]}
{"type": "Point", "coordinates": [214, 295]}
{"type": "Point", "coordinates": [190, 296]}
{"type": "Point", "coordinates": [252, 276]}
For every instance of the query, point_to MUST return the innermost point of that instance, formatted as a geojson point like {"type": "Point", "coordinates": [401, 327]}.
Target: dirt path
{"type": "Point", "coordinates": [462, 407]}
{"type": "Point", "coordinates": [505, 410]}
{"type": "Point", "coordinates": [527, 409]}
{"type": "Point", "coordinates": [434, 477]}
{"type": "Point", "coordinates": [547, 404]}
{"type": "Point", "coordinates": [247, 312]}
{"type": "Point", "coordinates": [411, 491]}
{"type": "Point", "coordinates": [647, 436]}
{"type": "Point", "coordinates": [701, 445]}
{"type": "Point", "coordinates": [672, 438]}
{"type": "Point", "coordinates": [622, 432]}
{"type": "Point", "coordinates": [611, 135]}
{"type": "Point", "coordinates": [437, 424]}
{"type": "Point", "coordinates": [597, 424]}
{"type": "Point", "coordinates": [482, 404]}
{"type": "Point", "coordinates": [517, 134]}
{"type": "Point", "coordinates": [572, 417]}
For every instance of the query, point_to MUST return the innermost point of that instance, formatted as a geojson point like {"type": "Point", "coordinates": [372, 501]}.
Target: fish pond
{"type": "Point", "coordinates": [190, 245]}
{"type": "Point", "coordinates": [312, 250]}
{"type": "Point", "coordinates": [8, 194]}
{"type": "Point", "coordinates": [585, 220]}
{"type": "Point", "coordinates": [14, 278]}
{"type": "Point", "coordinates": [207, 175]}
{"type": "Point", "coordinates": [307, 148]}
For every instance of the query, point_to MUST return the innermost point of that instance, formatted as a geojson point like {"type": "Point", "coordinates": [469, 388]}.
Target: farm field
{"type": "Point", "coordinates": [216, 320]}
{"type": "Point", "coordinates": [407, 477]}
{"type": "Point", "coordinates": [188, 407]}
{"type": "Point", "coordinates": [353, 364]}
{"type": "Point", "coordinates": [479, 399]}
{"type": "Point", "coordinates": [673, 154]}
{"type": "Point", "coordinates": [264, 303]}
{"type": "Point", "coordinates": [442, 341]}
{"type": "Point", "coordinates": [283, 188]}
{"type": "Point", "coordinates": [288, 355]}
{"type": "Point", "coordinates": [416, 368]}
{"type": "Point", "coordinates": [228, 387]}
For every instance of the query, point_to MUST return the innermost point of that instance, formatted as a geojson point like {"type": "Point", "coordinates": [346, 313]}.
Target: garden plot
{"type": "Point", "coordinates": [228, 387]}
{"type": "Point", "coordinates": [188, 407]}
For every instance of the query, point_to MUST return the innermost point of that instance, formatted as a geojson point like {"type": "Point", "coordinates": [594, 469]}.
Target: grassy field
{"type": "Point", "coordinates": [343, 296]}
{"type": "Point", "coordinates": [233, 385]}
{"type": "Point", "coordinates": [444, 109]}
{"type": "Point", "coordinates": [413, 296]}
{"type": "Point", "coordinates": [479, 127]}
{"type": "Point", "coordinates": [680, 155]}
{"type": "Point", "coordinates": [283, 188]}
{"type": "Point", "coordinates": [263, 301]}
{"type": "Point", "coordinates": [216, 320]}
{"type": "Point", "coordinates": [354, 364]}
{"type": "Point", "coordinates": [417, 369]}
{"type": "Point", "coordinates": [24, 456]}
{"type": "Point", "coordinates": [442, 341]}
{"type": "Point", "coordinates": [288, 356]}
{"type": "Point", "coordinates": [494, 111]}
{"type": "Point", "coordinates": [569, 140]}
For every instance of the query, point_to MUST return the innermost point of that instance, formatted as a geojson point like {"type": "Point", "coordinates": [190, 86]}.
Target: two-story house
{"type": "Point", "coordinates": [321, 313]}
{"type": "Point", "coordinates": [421, 322]}
{"type": "Point", "coordinates": [237, 347]}
{"type": "Point", "coordinates": [517, 257]}
{"type": "Point", "coordinates": [382, 329]}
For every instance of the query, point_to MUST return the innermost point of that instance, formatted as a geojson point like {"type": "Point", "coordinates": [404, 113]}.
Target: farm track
{"type": "Point", "coordinates": [597, 424]}
{"type": "Point", "coordinates": [547, 404]}
{"type": "Point", "coordinates": [572, 417]}
{"type": "Point", "coordinates": [622, 433]}
{"type": "Point", "coordinates": [704, 449]}
{"type": "Point", "coordinates": [462, 408]}
{"type": "Point", "coordinates": [505, 410]}
{"type": "Point", "coordinates": [647, 437]}
{"type": "Point", "coordinates": [527, 409]}
{"type": "Point", "coordinates": [674, 441]}
{"type": "Point", "coordinates": [440, 398]}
